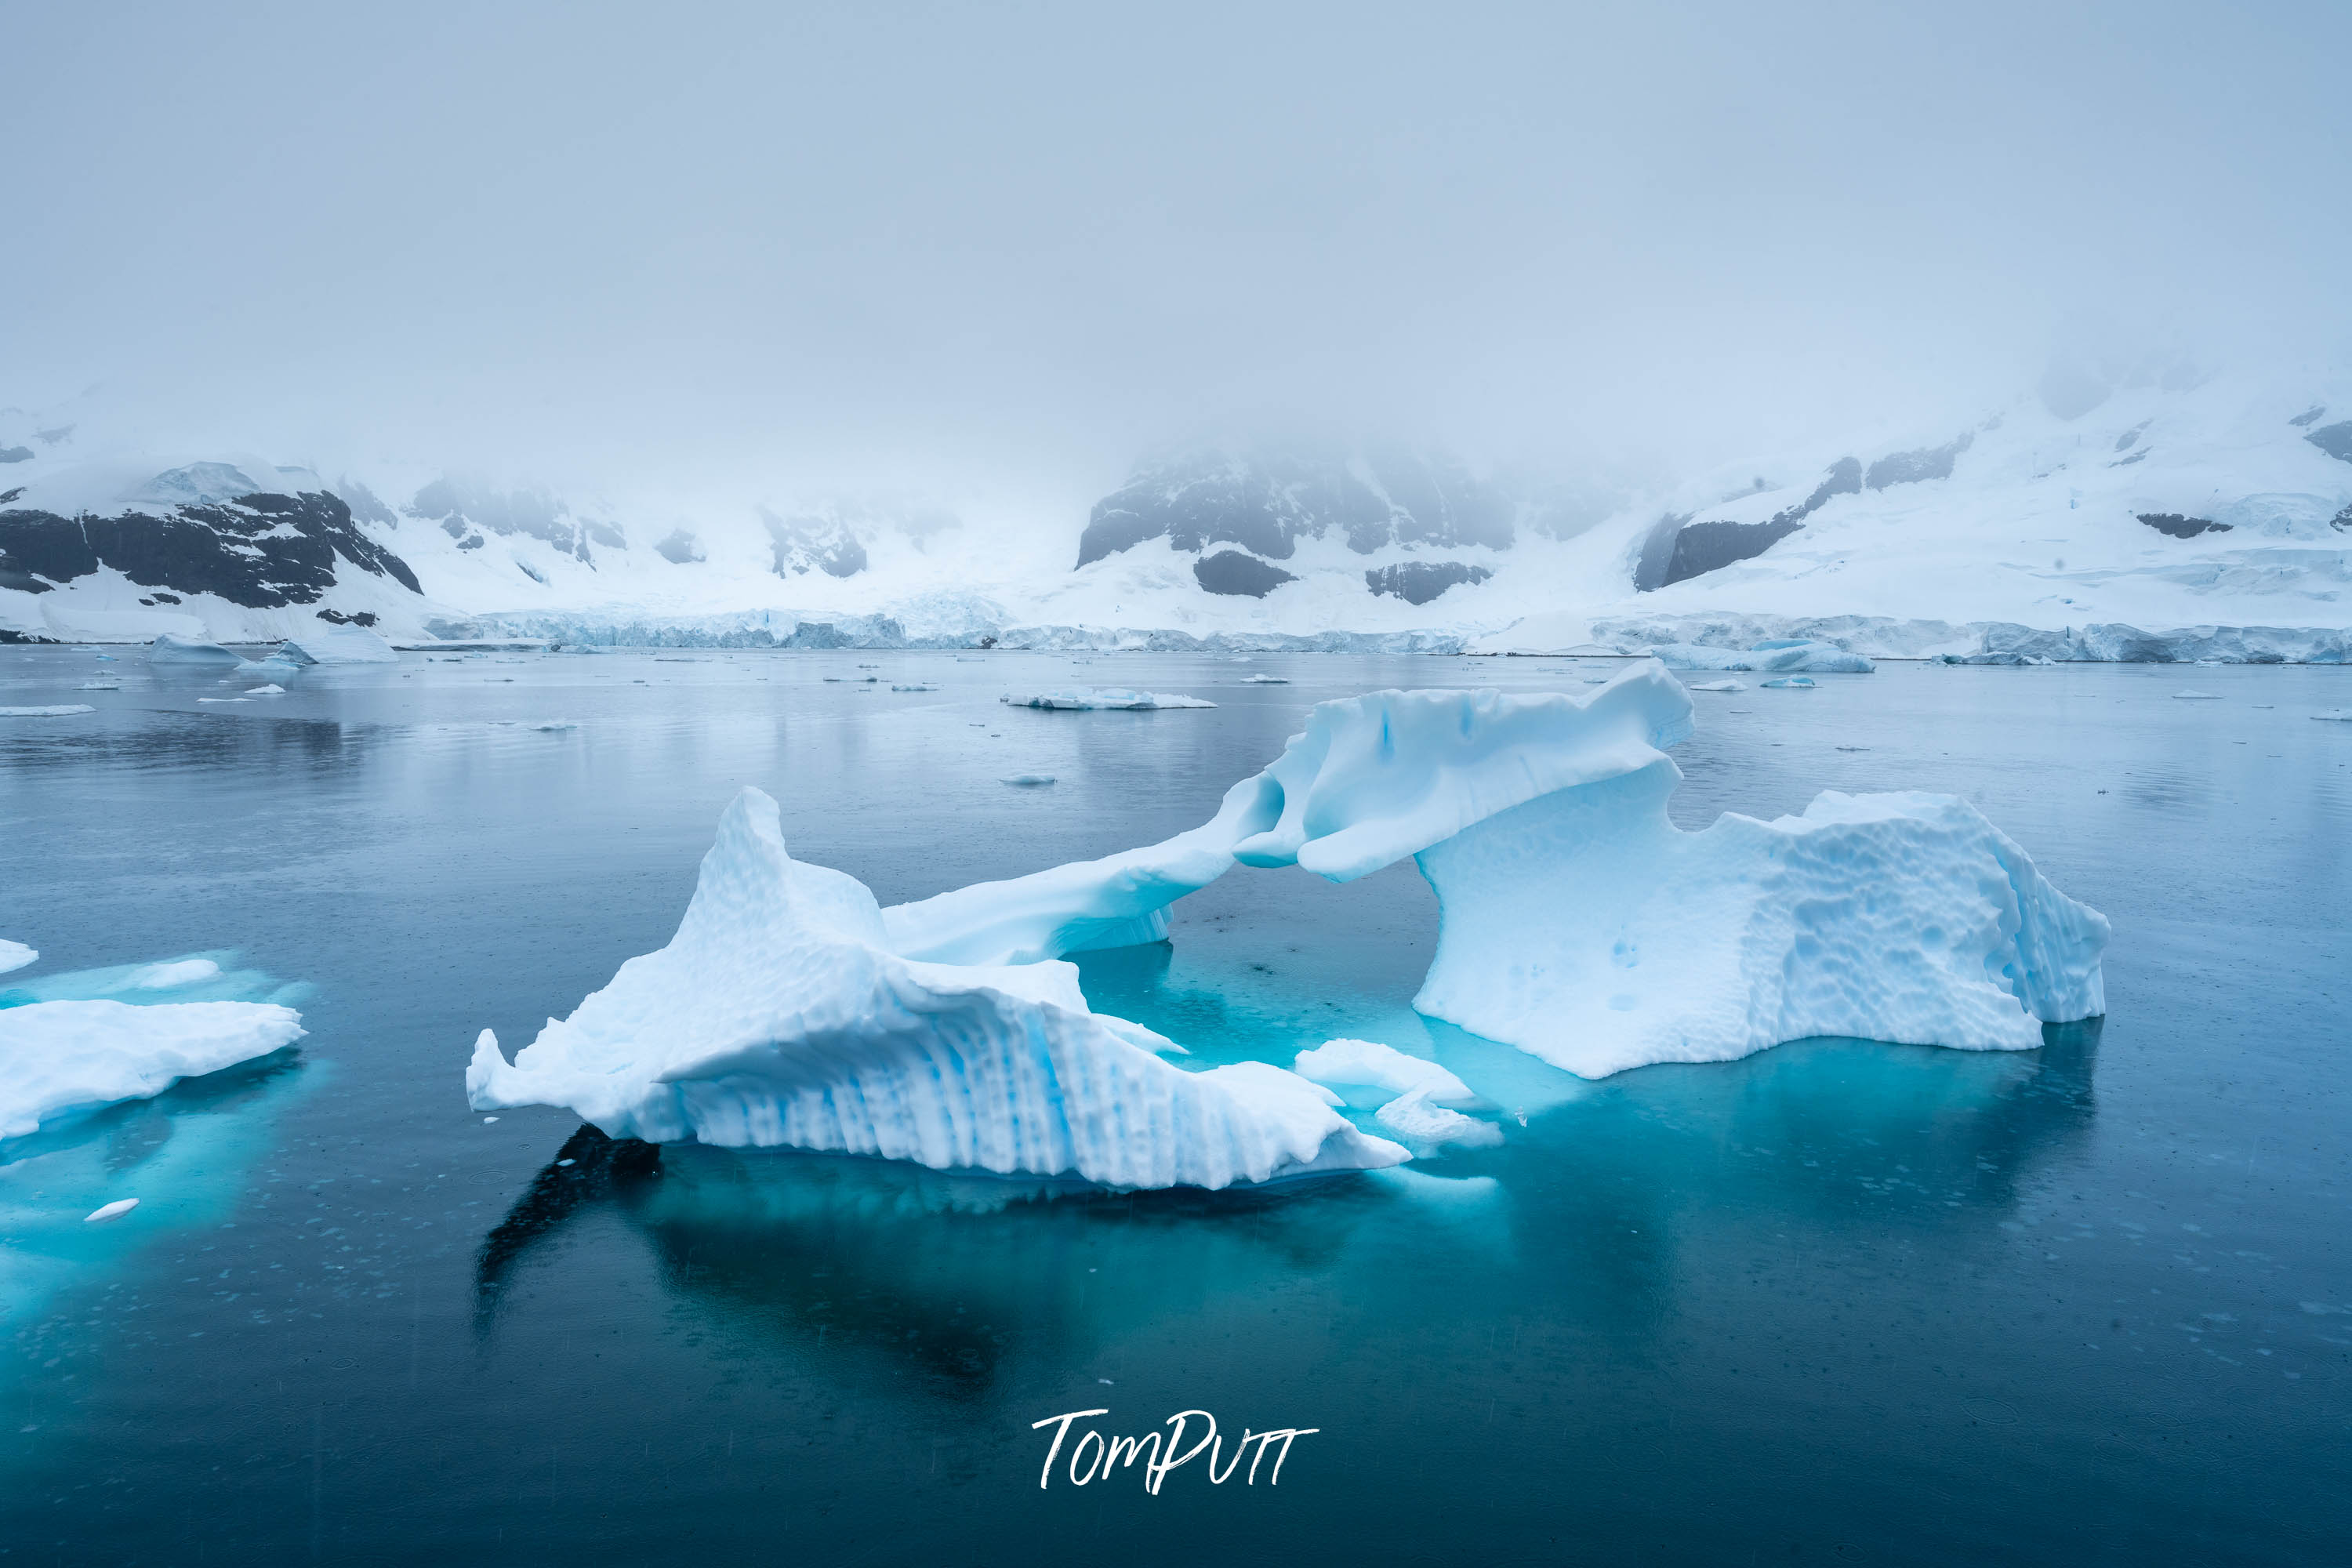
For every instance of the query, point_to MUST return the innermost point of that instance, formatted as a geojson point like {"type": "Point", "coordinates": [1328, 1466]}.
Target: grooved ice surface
{"type": "Point", "coordinates": [778, 1016]}
{"type": "Point", "coordinates": [59, 1057]}
{"type": "Point", "coordinates": [1587, 929]}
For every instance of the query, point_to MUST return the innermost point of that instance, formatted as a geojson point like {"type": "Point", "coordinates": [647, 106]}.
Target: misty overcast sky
{"type": "Point", "coordinates": [1020, 243]}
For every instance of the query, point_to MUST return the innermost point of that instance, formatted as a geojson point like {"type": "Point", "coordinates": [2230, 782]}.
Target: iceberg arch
{"type": "Point", "coordinates": [1575, 921]}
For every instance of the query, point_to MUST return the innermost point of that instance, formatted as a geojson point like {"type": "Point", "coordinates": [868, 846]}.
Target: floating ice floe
{"type": "Point", "coordinates": [1425, 1127]}
{"type": "Point", "coordinates": [1376, 1066]}
{"type": "Point", "coordinates": [1266, 680]}
{"type": "Point", "coordinates": [273, 665]}
{"type": "Point", "coordinates": [57, 1057]}
{"type": "Point", "coordinates": [1790, 683]}
{"type": "Point", "coordinates": [114, 1210]}
{"type": "Point", "coordinates": [169, 650]}
{"type": "Point", "coordinates": [342, 644]}
{"type": "Point", "coordinates": [913, 686]}
{"type": "Point", "coordinates": [779, 1014]}
{"type": "Point", "coordinates": [101, 686]}
{"type": "Point", "coordinates": [1720, 685]}
{"type": "Point", "coordinates": [1028, 781]}
{"type": "Point", "coordinates": [1778, 657]}
{"type": "Point", "coordinates": [220, 699]}
{"type": "Point", "coordinates": [1087, 697]}
{"type": "Point", "coordinates": [54, 710]}
{"type": "Point", "coordinates": [14, 955]}
{"type": "Point", "coordinates": [2338, 715]}
{"type": "Point", "coordinates": [2195, 697]}
{"type": "Point", "coordinates": [272, 690]}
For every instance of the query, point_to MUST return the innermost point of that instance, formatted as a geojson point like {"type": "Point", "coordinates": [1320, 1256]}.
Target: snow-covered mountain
{"type": "Point", "coordinates": [2148, 503]}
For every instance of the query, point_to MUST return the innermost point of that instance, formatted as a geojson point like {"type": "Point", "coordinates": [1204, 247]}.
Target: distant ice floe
{"type": "Point", "coordinates": [2340, 715]}
{"type": "Point", "coordinates": [101, 686]}
{"type": "Point", "coordinates": [1776, 656]}
{"type": "Point", "coordinates": [54, 710]}
{"type": "Point", "coordinates": [340, 644]}
{"type": "Point", "coordinates": [169, 650]}
{"type": "Point", "coordinates": [1790, 683]}
{"type": "Point", "coordinates": [1720, 685]}
{"type": "Point", "coordinates": [1028, 781]}
{"type": "Point", "coordinates": [1087, 698]}
{"type": "Point", "coordinates": [2196, 696]}
{"type": "Point", "coordinates": [1266, 680]}
{"type": "Point", "coordinates": [265, 691]}
{"type": "Point", "coordinates": [779, 1015]}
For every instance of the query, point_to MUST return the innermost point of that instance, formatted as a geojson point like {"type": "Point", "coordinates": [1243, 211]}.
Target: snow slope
{"type": "Point", "coordinates": [2226, 503]}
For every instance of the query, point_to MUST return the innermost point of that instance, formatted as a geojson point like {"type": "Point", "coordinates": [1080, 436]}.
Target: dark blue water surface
{"type": "Point", "coordinates": [1841, 1302]}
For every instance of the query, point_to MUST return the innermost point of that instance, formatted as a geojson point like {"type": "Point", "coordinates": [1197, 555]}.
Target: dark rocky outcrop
{"type": "Point", "coordinates": [466, 512]}
{"type": "Point", "coordinates": [16, 454]}
{"type": "Point", "coordinates": [681, 548]}
{"type": "Point", "coordinates": [1231, 572]}
{"type": "Point", "coordinates": [1266, 501]}
{"type": "Point", "coordinates": [1698, 548]}
{"type": "Point", "coordinates": [1418, 582]}
{"type": "Point", "coordinates": [1910, 468]}
{"type": "Point", "coordinates": [2336, 440]}
{"type": "Point", "coordinates": [2175, 525]}
{"type": "Point", "coordinates": [262, 550]}
{"type": "Point", "coordinates": [2309, 416]}
{"type": "Point", "coordinates": [811, 542]}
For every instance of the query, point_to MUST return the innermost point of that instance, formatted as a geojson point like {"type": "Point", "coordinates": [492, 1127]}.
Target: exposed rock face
{"type": "Point", "coordinates": [1679, 549]}
{"type": "Point", "coordinates": [1231, 572]}
{"type": "Point", "coordinates": [262, 550]}
{"type": "Point", "coordinates": [2336, 440]}
{"type": "Point", "coordinates": [809, 543]}
{"type": "Point", "coordinates": [681, 548]}
{"type": "Point", "coordinates": [467, 512]}
{"type": "Point", "coordinates": [1418, 582]}
{"type": "Point", "coordinates": [1265, 501]}
{"type": "Point", "coordinates": [1926, 463]}
{"type": "Point", "coordinates": [2179, 527]}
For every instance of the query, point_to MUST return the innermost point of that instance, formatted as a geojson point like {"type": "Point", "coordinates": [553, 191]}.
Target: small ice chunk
{"type": "Point", "coordinates": [272, 689]}
{"type": "Point", "coordinates": [2195, 697]}
{"type": "Point", "coordinates": [1720, 685]}
{"type": "Point", "coordinates": [913, 686]}
{"type": "Point", "coordinates": [1266, 680]}
{"type": "Point", "coordinates": [14, 955]}
{"type": "Point", "coordinates": [220, 699]}
{"type": "Point", "coordinates": [1085, 698]}
{"type": "Point", "coordinates": [55, 711]}
{"type": "Point", "coordinates": [187, 971]}
{"type": "Point", "coordinates": [1029, 781]}
{"type": "Point", "coordinates": [101, 686]}
{"type": "Point", "coordinates": [1791, 683]}
{"type": "Point", "coordinates": [1423, 1126]}
{"type": "Point", "coordinates": [2339, 715]}
{"type": "Point", "coordinates": [1382, 1067]}
{"type": "Point", "coordinates": [276, 664]}
{"type": "Point", "coordinates": [114, 1210]}
{"type": "Point", "coordinates": [487, 1120]}
{"type": "Point", "coordinates": [1854, 748]}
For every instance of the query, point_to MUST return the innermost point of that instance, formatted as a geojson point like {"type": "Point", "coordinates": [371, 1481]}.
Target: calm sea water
{"type": "Point", "coordinates": [1841, 1302]}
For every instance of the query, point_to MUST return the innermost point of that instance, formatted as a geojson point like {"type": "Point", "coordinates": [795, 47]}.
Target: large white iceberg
{"type": "Point", "coordinates": [1576, 922]}
{"type": "Point", "coordinates": [57, 1057]}
{"type": "Point", "coordinates": [779, 1014]}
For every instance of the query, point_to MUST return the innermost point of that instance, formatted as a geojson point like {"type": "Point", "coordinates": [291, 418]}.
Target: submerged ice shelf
{"type": "Point", "coordinates": [1577, 923]}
